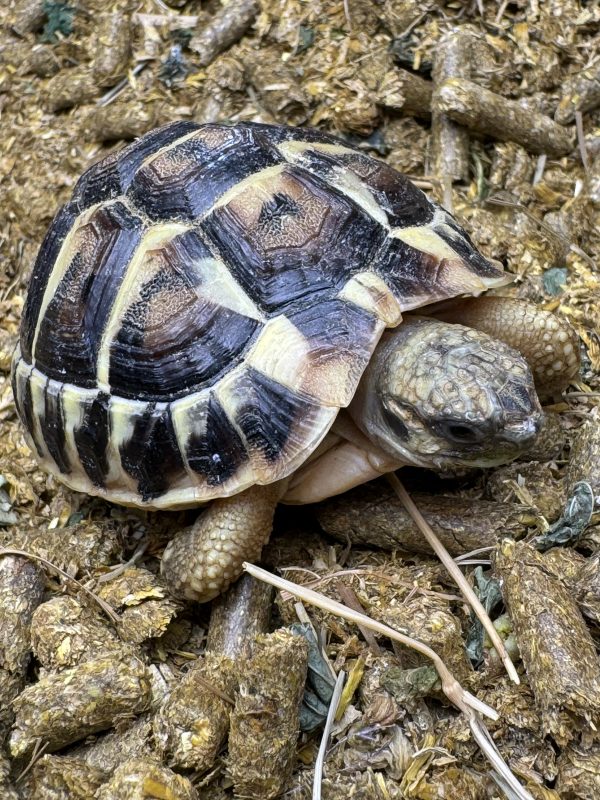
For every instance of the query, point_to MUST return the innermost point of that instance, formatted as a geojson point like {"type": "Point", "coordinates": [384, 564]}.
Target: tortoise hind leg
{"type": "Point", "coordinates": [547, 342]}
{"type": "Point", "coordinates": [202, 561]}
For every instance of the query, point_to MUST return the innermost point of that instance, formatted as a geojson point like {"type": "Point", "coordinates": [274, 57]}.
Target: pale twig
{"type": "Point", "coordinates": [581, 141]}
{"type": "Point", "coordinates": [455, 572]}
{"type": "Point", "coordinates": [352, 601]}
{"type": "Point", "coordinates": [320, 761]}
{"type": "Point", "coordinates": [472, 553]}
{"type": "Point", "coordinates": [460, 697]}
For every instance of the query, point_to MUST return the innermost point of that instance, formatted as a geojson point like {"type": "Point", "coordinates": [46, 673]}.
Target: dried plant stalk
{"type": "Point", "coordinates": [449, 141]}
{"type": "Point", "coordinates": [64, 707]}
{"type": "Point", "coordinates": [265, 720]}
{"type": "Point", "coordinates": [227, 26]}
{"type": "Point", "coordinates": [556, 646]}
{"type": "Point", "coordinates": [372, 515]}
{"type": "Point", "coordinates": [490, 114]}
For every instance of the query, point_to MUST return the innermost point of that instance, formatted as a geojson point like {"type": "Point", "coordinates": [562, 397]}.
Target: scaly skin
{"type": "Point", "coordinates": [547, 342]}
{"type": "Point", "coordinates": [202, 561]}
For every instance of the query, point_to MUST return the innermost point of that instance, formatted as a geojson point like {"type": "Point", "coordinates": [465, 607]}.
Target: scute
{"type": "Point", "coordinates": [208, 300]}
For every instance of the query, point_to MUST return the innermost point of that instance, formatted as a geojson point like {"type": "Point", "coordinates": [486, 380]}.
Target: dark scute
{"type": "Point", "coordinates": [53, 427]}
{"type": "Point", "coordinates": [75, 318]}
{"type": "Point", "coordinates": [275, 209]}
{"type": "Point", "coordinates": [409, 272]}
{"type": "Point", "coordinates": [465, 248]}
{"type": "Point", "coordinates": [334, 326]}
{"type": "Point", "coordinates": [268, 413]}
{"type": "Point", "coordinates": [46, 257]}
{"type": "Point", "coordinates": [285, 133]}
{"type": "Point", "coordinates": [92, 437]}
{"type": "Point", "coordinates": [99, 183]}
{"type": "Point", "coordinates": [152, 456]}
{"type": "Point", "coordinates": [184, 351]}
{"type": "Point", "coordinates": [278, 276]}
{"type": "Point", "coordinates": [112, 176]}
{"type": "Point", "coordinates": [405, 204]}
{"type": "Point", "coordinates": [219, 452]}
{"type": "Point", "coordinates": [204, 174]}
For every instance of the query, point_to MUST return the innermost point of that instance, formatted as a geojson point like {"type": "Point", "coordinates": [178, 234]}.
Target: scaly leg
{"type": "Point", "coordinates": [202, 561]}
{"type": "Point", "coordinates": [547, 342]}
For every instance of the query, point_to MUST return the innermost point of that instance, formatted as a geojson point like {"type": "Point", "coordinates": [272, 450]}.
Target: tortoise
{"type": "Point", "coordinates": [215, 315]}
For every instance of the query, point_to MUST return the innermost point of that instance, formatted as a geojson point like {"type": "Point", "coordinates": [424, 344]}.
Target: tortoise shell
{"type": "Point", "coordinates": [209, 298]}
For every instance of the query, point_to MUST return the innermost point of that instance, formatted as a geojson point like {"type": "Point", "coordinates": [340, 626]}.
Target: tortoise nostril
{"type": "Point", "coordinates": [523, 432]}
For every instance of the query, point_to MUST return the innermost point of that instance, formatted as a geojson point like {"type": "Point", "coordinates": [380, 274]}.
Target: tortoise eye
{"type": "Point", "coordinates": [460, 432]}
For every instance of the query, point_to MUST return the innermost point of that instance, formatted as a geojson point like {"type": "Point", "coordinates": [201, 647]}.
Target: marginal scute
{"type": "Point", "coordinates": [214, 448]}
{"type": "Point", "coordinates": [92, 436]}
{"type": "Point", "coordinates": [208, 300]}
{"type": "Point", "coordinates": [151, 455]}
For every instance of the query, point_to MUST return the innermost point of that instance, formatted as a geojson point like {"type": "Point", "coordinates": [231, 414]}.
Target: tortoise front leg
{"type": "Point", "coordinates": [202, 561]}
{"type": "Point", "coordinates": [547, 342]}
{"type": "Point", "coordinates": [346, 459]}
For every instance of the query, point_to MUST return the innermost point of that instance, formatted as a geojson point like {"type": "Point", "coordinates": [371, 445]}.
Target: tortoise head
{"type": "Point", "coordinates": [444, 396]}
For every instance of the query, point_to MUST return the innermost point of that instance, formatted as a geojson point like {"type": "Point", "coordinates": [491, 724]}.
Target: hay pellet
{"type": "Point", "coordinates": [226, 27]}
{"type": "Point", "coordinates": [580, 93]}
{"type": "Point", "coordinates": [67, 706]}
{"type": "Point", "coordinates": [449, 141]}
{"type": "Point", "coordinates": [265, 720]}
{"type": "Point", "coordinates": [29, 16]}
{"type": "Point", "coordinates": [64, 778]}
{"type": "Point", "coordinates": [490, 114]}
{"type": "Point", "coordinates": [69, 88]}
{"type": "Point", "coordinates": [113, 48]}
{"type": "Point", "coordinates": [64, 632]}
{"type": "Point", "coordinates": [124, 120]}
{"type": "Point", "coordinates": [372, 515]}
{"type": "Point", "coordinates": [584, 461]}
{"type": "Point", "coordinates": [21, 588]}
{"type": "Point", "coordinates": [143, 778]}
{"type": "Point", "coordinates": [192, 724]}
{"type": "Point", "coordinates": [556, 646]}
